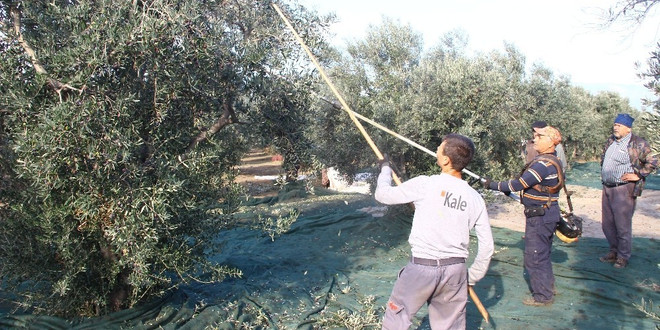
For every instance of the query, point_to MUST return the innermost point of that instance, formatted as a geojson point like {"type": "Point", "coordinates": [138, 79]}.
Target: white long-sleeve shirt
{"type": "Point", "coordinates": [446, 209]}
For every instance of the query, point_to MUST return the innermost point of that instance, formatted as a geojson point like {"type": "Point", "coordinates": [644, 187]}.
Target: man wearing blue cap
{"type": "Point", "coordinates": [625, 162]}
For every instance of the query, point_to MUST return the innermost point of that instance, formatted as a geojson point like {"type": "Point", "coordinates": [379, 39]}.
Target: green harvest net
{"type": "Point", "coordinates": [335, 267]}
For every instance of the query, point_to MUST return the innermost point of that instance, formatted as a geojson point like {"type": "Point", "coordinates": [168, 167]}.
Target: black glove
{"type": "Point", "coordinates": [486, 182]}
{"type": "Point", "coordinates": [384, 161]}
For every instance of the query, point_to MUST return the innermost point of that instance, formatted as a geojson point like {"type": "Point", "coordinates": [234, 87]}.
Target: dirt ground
{"type": "Point", "coordinates": [256, 172]}
{"type": "Point", "coordinates": [258, 168]}
{"type": "Point", "coordinates": [587, 205]}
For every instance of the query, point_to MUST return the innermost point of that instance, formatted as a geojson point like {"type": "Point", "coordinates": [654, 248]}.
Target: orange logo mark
{"type": "Point", "coordinates": [392, 306]}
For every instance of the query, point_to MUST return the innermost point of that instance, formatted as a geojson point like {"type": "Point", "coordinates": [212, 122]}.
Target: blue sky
{"type": "Point", "coordinates": [563, 35]}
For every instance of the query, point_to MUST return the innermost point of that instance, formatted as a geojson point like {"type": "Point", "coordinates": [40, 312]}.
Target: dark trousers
{"type": "Point", "coordinates": [618, 206]}
{"type": "Point", "coordinates": [539, 232]}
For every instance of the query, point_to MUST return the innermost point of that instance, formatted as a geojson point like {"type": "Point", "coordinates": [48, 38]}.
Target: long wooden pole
{"type": "Point", "coordinates": [410, 142]}
{"type": "Point", "coordinates": [351, 114]}
{"type": "Point", "coordinates": [335, 91]}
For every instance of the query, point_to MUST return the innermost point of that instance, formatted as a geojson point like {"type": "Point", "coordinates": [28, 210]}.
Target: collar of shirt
{"type": "Point", "coordinates": [623, 140]}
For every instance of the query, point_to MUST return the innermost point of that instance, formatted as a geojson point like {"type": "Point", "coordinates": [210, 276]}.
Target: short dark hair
{"type": "Point", "coordinates": [459, 149]}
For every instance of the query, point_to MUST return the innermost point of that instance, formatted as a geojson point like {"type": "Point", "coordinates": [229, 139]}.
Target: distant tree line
{"type": "Point", "coordinates": [490, 97]}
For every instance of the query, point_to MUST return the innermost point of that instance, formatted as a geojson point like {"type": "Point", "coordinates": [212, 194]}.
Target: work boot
{"type": "Point", "coordinates": [620, 263]}
{"type": "Point", "coordinates": [530, 301]}
{"type": "Point", "coordinates": [609, 257]}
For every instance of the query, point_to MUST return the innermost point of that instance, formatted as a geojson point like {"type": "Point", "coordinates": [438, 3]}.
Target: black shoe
{"type": "Point", "coordinates": [620, 263]}
{"type": "Point", "coordinates": [609, 257]}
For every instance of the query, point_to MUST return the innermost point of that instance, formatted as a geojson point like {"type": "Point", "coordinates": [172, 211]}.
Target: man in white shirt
{"type": "Point", "coordinates": [446, 209]}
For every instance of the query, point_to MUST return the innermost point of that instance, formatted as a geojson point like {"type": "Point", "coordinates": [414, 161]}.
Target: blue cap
{"type": "Point", "coordinates": [624, 119]}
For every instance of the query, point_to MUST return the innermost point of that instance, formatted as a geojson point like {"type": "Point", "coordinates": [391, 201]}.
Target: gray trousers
{"type": "Point", "coordinates": [618, 206]}
{"type": "Point", "coordinates": [444, 288]}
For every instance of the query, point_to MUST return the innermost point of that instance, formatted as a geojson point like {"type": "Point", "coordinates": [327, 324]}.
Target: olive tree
{"type": "Point", "coordinates": [633, 13]}
{"type": "Point", "coordinates": [121, 123]}
{"type": "Point", "coordinates": [374, 77]}
{"type": "Point", "coordinates": [651, 119]}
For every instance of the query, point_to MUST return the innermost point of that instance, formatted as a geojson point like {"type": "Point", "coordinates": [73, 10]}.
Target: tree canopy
{"type": "Point", "coordinates": [120, 126]}
{"type": "Point", "coordinates": [490, 97]}
{"type": "Point", "coordinates": [633, 13]}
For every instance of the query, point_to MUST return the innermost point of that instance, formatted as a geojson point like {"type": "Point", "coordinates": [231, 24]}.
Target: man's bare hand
{"type": "Point", "coordinates": [630, 177]}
